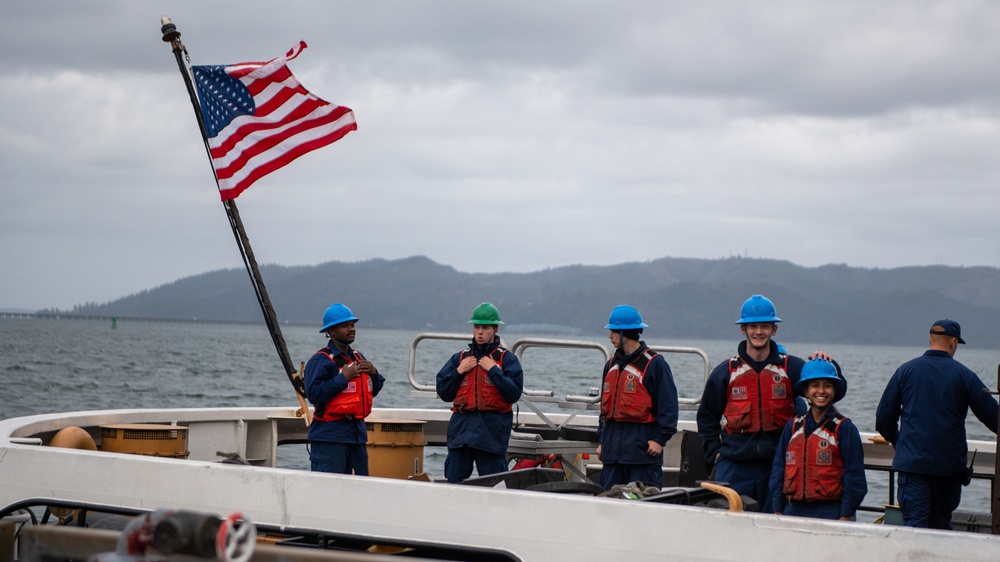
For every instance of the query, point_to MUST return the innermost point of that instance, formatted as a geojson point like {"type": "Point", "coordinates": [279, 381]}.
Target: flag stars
{"type": "Point", "coordinates": [223, 98]}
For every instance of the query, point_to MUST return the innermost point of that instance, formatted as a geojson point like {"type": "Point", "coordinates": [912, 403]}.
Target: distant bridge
{"type": "Point", "coordinates": [104, 318]}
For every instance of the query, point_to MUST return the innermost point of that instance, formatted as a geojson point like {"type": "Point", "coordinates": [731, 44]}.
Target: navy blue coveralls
{"type": "Point", "coordinates": [929, 397]}
{"type": "Point", "coordinates": [337, 446]}
{"type": "Point", "coordinates": [855, 482]}
{"type": "Point", "coordinates": [624, 445]}
{"type": "Point", "coordinates": [476, 436]}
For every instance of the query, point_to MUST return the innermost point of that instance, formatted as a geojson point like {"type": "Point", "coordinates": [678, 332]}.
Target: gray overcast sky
{"type": "Point", "coordinates": [506, 136]}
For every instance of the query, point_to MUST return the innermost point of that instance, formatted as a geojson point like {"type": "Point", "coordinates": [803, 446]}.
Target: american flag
{"type": "Point", "coordinates": [258, 118]}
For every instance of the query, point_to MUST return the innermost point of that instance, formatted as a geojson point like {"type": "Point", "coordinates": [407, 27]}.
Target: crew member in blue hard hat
{"type": "Point", "coordinates": [819, 469]}
{"type": "Point", "coordinates": [638, 405]}
{"type": "Point", "coordinates": [746, 403]}
{"type": "Point", "coordinates": [929, 398]}
{"type": "Point", "coordinates": [341, 384]}
{"type": "Point", "coordinates": [482, 382]}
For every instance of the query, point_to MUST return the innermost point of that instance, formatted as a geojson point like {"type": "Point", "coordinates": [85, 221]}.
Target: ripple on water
{"type": "Point", "coordinates": [49, 365]}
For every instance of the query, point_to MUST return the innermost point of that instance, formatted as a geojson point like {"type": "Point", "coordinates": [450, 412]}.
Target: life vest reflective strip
{"type": "Point", "coordinates": [758, 402]}
{"type": "Point", "coordinates": [624, 397]}
{"type": "Point", "coordinates": [356, 400]}
{"type": "Point", "coordinates": [814, 469]}
{"type": "Point", "coordinates": [477, 391]}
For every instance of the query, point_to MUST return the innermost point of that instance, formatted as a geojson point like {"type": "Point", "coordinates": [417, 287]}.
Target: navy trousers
{"type": "Point", "coordinates": [747, 479]}
{"type": "Point", "coordinates": [615, 473]}
{"type": "Point", "coordinates": [928, 501]}
{"type": "Point", "coordinates": [458, 463]}
{"type": "Point", "coordinates": [338, 458]}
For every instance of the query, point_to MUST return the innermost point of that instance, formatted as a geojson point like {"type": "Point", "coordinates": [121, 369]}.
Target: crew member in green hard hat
{"type": "Point", "coordinates": [341, 384]}
{"type": "Point", "coordinates": [819, 469]}
{"type": "Point", "coordinates": [638, 405]}
{"type": "Point", "coordinates": [482, 383]}
{"type": "Point", "coordinates": [746, 403]}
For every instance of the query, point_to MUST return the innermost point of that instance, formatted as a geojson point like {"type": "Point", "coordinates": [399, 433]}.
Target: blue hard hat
{"type": "Point", "coordinates": [625, 317]}
{"type": "Point", "coordinates": [757, 309]}
{"type": "Point", "coordinates": [821, 369]}
{"type": "Point", "coordinates": [337, 314]}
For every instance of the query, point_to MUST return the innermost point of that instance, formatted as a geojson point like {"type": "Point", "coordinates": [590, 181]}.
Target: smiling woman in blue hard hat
{"type": "Point", "coordinates": [746, 403]}
{"type": "Point", "coordinates": [482, 383]}
{"type": "Point", "coordinates": [819, 468]}
{"type": "Point", "coordinates": [342, 384]}
{"type": "Point", "coordinates": [638, 405]}
{"type": "Point", "coordinates": [929, 398]}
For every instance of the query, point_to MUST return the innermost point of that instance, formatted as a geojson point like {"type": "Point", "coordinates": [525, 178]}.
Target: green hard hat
{"type": "Point", "coordinates": [486, 313]}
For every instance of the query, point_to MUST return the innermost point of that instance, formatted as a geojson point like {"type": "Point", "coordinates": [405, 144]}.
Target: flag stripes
{"type": "Point", "coordinates": [284, 122]}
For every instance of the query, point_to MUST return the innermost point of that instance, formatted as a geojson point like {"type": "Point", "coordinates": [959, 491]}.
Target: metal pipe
{"type": "Point", "coordinates": [995, 503]}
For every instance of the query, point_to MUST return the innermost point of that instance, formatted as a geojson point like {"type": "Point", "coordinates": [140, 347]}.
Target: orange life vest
{"type": "Point", "coordinates": [477, 391]}
{"type": "Point", "coordinates": [758, 402]}
{"type": "Point", "coordinates": [814, 470]}
{"type": "Point", "coordinates": [624, 397]}
{"type": "Point", "coordinates": [356, 400]}
{"type": "Point", "coordinates": [551, 460]}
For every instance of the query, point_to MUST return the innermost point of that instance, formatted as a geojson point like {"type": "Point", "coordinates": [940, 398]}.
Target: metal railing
{"type": "Point", "coordinates": [688, 403]}
{"type": "Point", "coordinates": [411, 371]}
{"type": "Point", "coordinates": [523, 344]}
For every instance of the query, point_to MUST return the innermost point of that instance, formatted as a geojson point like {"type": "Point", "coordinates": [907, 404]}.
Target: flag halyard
{"type": "Point", "coordinates": [259, 118]}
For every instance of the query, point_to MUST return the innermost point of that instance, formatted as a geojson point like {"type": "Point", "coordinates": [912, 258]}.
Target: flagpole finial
{"type": "Point", "coordinates": [169, 30]}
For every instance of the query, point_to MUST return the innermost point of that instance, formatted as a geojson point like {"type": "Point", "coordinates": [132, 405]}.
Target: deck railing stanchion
{"type": "Point", "coordinates": [995, 499]}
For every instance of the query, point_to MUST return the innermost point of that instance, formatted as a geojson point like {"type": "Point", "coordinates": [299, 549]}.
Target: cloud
{"type": "Point", "coordinates": [506, 137]}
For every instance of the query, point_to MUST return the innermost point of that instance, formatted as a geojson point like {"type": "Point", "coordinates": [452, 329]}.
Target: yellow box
{"type": "Point", "coordinates": [395, 448]}
{"type": "Point", "coordinates": [158, 440]}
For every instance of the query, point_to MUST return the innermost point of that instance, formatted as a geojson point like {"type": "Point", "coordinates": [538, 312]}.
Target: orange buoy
{"type": "Point", "coordinates": [73, 437]}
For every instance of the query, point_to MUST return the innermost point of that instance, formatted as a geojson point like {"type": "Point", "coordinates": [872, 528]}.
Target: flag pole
{"type": "Point", "coordinates": [172, 36]}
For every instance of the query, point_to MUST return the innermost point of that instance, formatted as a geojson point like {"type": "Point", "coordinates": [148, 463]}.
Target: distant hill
{"type": "Point", "coordinates": [678, 297]}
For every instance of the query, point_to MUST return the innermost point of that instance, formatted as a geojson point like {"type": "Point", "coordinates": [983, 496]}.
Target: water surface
{"type": "Point", "coordinates": [64, 365]}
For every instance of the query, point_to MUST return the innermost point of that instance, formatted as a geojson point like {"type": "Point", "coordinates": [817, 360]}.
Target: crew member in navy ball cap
{"type": "Point", "coordinates": [922, 414]}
